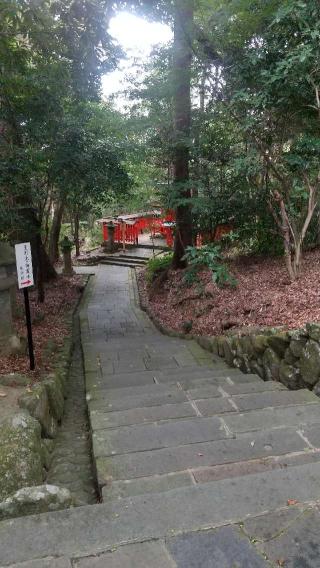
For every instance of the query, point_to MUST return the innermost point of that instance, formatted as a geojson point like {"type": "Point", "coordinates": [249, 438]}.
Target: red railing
{"type": "Point", "coordinates": [132, 229]}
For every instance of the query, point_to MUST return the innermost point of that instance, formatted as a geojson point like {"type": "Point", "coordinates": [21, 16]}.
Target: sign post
{"type": "Point", "coordinates": [25, 280]}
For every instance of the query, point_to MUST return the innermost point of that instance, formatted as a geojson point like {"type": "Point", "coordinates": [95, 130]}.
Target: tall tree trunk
{"type": "Point", "coordinates": [28, 228]}
{"type": "Point", "coordinates": [76, 233]}
{"type": "Point", "coordinates": [55, 231]}
{"type": "Point", "coordinates": [30, 231]}
{"type": "Point", "coordinates": [46, 217]}
{"type": "Point", "coordinates": [183, 25]}
{"type": "Point", "coordinates": [199, 170]}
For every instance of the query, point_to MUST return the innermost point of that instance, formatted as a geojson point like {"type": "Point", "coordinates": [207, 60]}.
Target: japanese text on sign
{"type": "Point", "coordinates": [24, 265]}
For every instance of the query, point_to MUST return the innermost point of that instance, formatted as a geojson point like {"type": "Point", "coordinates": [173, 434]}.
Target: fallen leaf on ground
{"type": "Point", "coordinates": [292, 502]}
{"type": "Point", "coordinates": [258, 300]}
{"type": "Point", "coordinates": [49, 325]}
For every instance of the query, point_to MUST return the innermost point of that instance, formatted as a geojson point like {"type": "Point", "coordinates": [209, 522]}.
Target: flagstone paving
{"type": "Point", "coordinates": [197, 465]}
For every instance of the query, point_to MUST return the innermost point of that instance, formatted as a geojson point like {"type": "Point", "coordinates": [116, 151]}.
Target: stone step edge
{"type": "Point", "coordinates": [223, 471]}
{"type": "Point", "coordinates": [122, 263]}
{"type": "Point", "coordinates": [221, 414]}
{"type": "Point", "coordinates": [158, 516]}
{"type": "Point", "coordinates": [172, 388]}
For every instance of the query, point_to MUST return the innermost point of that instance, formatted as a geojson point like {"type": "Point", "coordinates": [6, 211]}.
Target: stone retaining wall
{"type": "Point", "coordinates": [291, 357]}
{"type": "Point", "coordinates": [27, 438]}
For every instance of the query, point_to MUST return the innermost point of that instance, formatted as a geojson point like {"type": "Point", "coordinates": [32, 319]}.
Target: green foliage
{"type": "Point", "coordinates": [259, 134]}
{"type": "Point", "coordinates": [157, 265]}
{"type": "Point", "coordinates": [208, 256]}
{"type": "Point", "coordinates": [56, 142]}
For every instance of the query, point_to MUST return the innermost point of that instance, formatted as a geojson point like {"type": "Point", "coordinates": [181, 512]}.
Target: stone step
{"type": "Point", "coordinates": [249, 446]}
{"type": "Point", "coordinates": [207, 372]}
{"type": "Point", "coordinates": [128, 257]}
{"type": "Point", "coordinates": [103, 400]}
{"type": "Point", "coordinates": [122, 262]}
{"type": "Point", "coordinates": [133, 257]}
{"type": "Point", "coordinates": [248, 402]}
{"type": "Point", "coordinates": [102, 420]}
{"type": "Point", "coordinates": [198, 388]}
{"type": "Point", "coordinates": [154, 436]}
{"type": "Point", "coordinates": [295, 416]}
{"type": "Point", "coordinates": [93, 529]}
{"type": "Point", "coordinates": [183, 376]}
{"type": "Point", "coordinates": [156, 398]}
{"type": "Point", "coordinates": [165, 482]}
{"type": "Point", "coordinates": [205, 402]}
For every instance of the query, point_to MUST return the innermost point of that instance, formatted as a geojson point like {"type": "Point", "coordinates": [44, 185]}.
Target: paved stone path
{"type": "Point", "coordinates": [198, 465]}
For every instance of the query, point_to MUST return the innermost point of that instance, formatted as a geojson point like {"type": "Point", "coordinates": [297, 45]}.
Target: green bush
{"type": "Point", "coordinates": [208, 256]}
{"type": "Point", "coordinates": [157, 265]}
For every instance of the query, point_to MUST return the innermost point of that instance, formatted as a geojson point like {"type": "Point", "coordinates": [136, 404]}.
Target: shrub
{"type": "Point", "coordinates": [208, 256]}
{"type": "Point", "coordinates": [157, 265]}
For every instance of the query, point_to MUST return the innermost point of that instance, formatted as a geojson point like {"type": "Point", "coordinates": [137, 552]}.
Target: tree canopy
{"type": "Point", "coordinates": [222, 125]}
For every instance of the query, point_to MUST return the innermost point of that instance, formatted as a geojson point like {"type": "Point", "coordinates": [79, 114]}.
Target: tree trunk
{"type": "Point", "coordinates": [197, 157]}
{"type": "Point", "coordinates": [293, 238]}
{"type": "Point", "coordinates": [183, 24]}
{"type": "Point", "coordinates": [76, 233]}
{"type": "Point", "coordinates": [46, 216]}
{"type": "Point", "coordinates": [55, 232]}
{"type": "Point", "coordinates": [28, 228]}
{"type": "Point", "coordinates": [30, 231]}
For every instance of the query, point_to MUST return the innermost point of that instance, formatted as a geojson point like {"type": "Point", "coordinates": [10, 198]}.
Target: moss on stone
{"type": "Point", "coordinates": [297, 345]}
{"type": "Point", "coordinates": [20, 454]}
{"type": "Point", "coordinates": [259, 343]}
{"type": "Point", "coordinates": [35, 500]}
{"type": "Point", "coordinates": [279, 342]}
{"type": "Point", "coordinates": [271, 364]}
{"type": "Point", "coordinates": [208, 343]}
{"type": "Point", "coordinates": [257, 368]}
{"type": "Point", "coordinates": [309, 363]}
{"type": "Point", "coordinates": [55, 396]}
{"type": "Point", "coordinates": [37, 403]}
{"type": "Point", "coordinates": [313, 330]}
{"type": "Point", "coordinates": [289, 375]}
{"type": "Point", "coordinates": [289, 357]}
{"type": "Point", "coordinates": [228, 351]}
{"type": "Point", "coordinates": [246, 345]}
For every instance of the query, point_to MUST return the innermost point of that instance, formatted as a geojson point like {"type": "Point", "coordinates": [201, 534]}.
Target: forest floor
{"type": "Point", "coordinates": [49, 325]}
{"type": "Point", "coordinates": [264, 296]}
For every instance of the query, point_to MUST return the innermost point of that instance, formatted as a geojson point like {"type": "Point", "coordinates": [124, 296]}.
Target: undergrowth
{"type": "Point", "coordinates": [157, 265]}
{"type": "Point", "coordinates": [208, 256]}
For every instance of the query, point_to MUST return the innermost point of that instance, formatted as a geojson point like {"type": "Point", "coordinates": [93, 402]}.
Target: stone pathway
{"type": "Point", "coordinates": [198, 465]}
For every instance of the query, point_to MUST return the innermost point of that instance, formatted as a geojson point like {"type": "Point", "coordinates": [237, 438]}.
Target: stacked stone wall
{"type": "Point", "coordinates": [291, 357]}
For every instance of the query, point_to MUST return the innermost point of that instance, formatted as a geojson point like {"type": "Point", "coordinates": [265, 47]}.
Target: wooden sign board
{"type": "Point", "coordinates": [24, 265]}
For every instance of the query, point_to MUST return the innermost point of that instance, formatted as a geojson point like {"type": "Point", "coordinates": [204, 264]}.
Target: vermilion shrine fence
{"type": "Point", "coordinates": [129, 227]}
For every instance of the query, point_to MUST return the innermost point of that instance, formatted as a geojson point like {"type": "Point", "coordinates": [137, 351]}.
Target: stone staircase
{"type": "Point", "coordinates": [202, 449]}
{"type": "Point", "coordinates": [197, 426]}
{"type": "Point", "coordinates": [127, 260]}
{"type": "Point", "coordinates": [182, 446]}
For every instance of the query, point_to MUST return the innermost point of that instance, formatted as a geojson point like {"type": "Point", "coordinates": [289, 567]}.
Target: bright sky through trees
{"type": "Point", "coordinates": [137, 37]}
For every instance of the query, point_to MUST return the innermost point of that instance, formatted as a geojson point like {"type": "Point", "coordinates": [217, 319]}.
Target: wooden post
{"type": "Point", "coordinates": [123, 236]}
